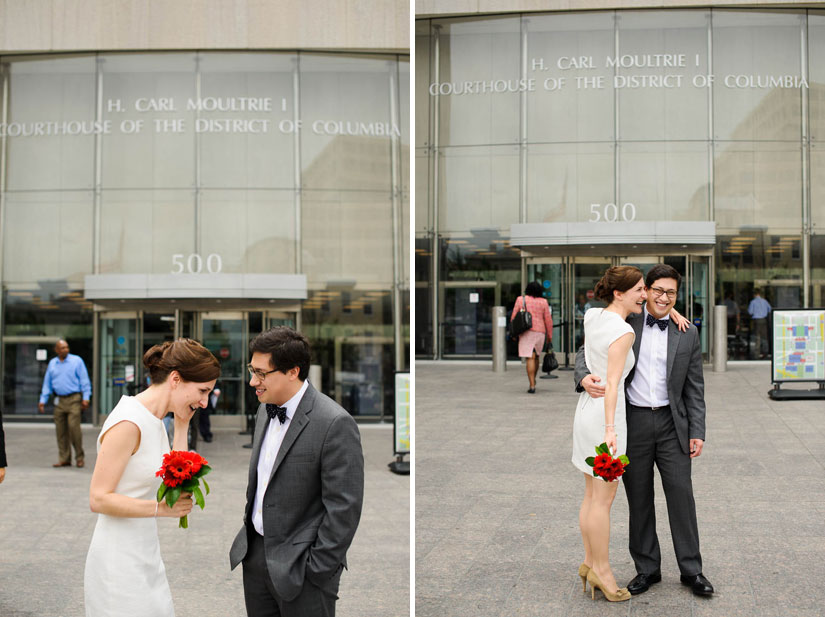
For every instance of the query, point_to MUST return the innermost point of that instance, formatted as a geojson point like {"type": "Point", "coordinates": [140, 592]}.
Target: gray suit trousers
{"type": "Point", "coordinates": [651, 438]}
{"type": "Point", "coordinates": [263, 601]}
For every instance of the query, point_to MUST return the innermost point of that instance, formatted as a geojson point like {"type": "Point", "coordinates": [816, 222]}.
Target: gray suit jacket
{"type": "Point", "coordinates": [685, 380]}
{"type": "Point", "coordinates": [313, 500]}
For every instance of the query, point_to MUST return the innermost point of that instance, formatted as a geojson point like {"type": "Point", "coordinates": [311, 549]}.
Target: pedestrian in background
{"type": "Point", "coordinates": [205, 424]}
{"type": "Point", "coordinates": [67, 378]}
{"type": "Point", "coordinates": [759, 309]}
{"type": "Point", "coordinates": [531, 342]}
{"type": "Point", "coordinates": [2, 450]}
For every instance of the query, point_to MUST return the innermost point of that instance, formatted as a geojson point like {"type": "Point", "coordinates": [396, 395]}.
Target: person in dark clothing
{"type": "Point", "coordinates": [204, 424]}
{"type": "Point", "coordinates": [3, 463]}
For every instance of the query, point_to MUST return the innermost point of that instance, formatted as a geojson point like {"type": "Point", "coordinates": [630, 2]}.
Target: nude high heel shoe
{"type": "Point", "coordinates": [621, 594]}
{"type": "Point", "coordinates": [583, 570]}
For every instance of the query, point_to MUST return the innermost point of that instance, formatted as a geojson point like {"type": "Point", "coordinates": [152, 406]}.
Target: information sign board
{"type": "Point", "coordinates": [798, 345]}
{"type": "Point", "coordinates": [401, 429]}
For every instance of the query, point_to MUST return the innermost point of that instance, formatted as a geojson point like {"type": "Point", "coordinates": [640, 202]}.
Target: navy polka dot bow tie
{"type": "Point", "coordinates": [273, 411]}
{"type": "Point", "coordinates": [662, 323]}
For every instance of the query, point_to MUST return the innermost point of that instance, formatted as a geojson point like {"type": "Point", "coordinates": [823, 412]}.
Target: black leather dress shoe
{"type": "Point", "coordinates": [698, 583]}
{"type": "Point", "coordinates": [642, 582]}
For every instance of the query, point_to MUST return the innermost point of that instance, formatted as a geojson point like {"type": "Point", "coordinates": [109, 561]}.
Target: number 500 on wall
{"type": "Point", "coordinates": [194, 263]}
{"type": "Point", "coordinates": [609, 213]}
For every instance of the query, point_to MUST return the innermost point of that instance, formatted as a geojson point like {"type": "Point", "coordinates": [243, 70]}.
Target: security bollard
{"type": "Point", "coordinates": [720, 338]}
{"type": "Point", "coordinates": [499, 339]}
{"type": "Point", "coordinates": [315, 376]}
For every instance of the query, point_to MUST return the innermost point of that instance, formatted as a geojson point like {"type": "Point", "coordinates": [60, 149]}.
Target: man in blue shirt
{"type": "Point", "coordinates": [67, 378]}
{"type": "Point", "coordinates": [759, 308]}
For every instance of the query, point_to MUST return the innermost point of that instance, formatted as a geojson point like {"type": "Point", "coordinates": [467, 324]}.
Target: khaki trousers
{"type": "Point", "coordinates": [67, 422]}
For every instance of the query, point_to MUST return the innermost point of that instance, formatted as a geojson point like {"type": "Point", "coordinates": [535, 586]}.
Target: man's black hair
{"type": "Point", "coordinates": [287, 348]}
{"type": "Point", "coordinates": [663, 271]}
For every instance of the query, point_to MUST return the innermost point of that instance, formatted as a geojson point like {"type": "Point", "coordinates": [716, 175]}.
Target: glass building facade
{"type": "Point", "coordinates": [205, 194]}
{"type": "Point", "coordinates": [551, 145]}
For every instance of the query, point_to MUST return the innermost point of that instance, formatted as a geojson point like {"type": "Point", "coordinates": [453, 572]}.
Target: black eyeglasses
{"type": "Point", "coordinates": [658, 292]}
{"type": "Point", "coordinates": [256, 372]}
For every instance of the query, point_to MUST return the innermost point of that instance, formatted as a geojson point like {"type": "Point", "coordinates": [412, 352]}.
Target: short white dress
{"type": "Point", "coordinates": [601, 329]}
{"type": "Point", "coordinates": [125, 576]}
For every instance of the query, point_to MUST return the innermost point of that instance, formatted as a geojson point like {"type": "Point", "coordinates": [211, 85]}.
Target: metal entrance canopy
{"type": "Point", "coordinates": [180, 286]}
{"type": "Point", "coordinates": [619, 238]}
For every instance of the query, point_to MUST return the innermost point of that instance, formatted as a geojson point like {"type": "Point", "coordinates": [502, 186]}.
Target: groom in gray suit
{"type": "Point", "coordinates": [665, 393]}
{"type": "Point", "coordinates": [306, 486]}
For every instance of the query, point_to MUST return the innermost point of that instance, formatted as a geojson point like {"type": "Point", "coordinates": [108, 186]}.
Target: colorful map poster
{"type": "Point", "coordinates": [402, 413]}
{"type": "Point", "coordinates": [799, 345]}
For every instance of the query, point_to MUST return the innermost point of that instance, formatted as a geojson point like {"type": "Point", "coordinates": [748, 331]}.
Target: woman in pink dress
{"type": "Point", "coordinates": [531, 342]}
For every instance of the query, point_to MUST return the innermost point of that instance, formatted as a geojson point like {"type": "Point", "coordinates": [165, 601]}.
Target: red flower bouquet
{"type": "Point", "coordinates": [183, 471]}
{"type": "Point", "coordinates": [605, 466]}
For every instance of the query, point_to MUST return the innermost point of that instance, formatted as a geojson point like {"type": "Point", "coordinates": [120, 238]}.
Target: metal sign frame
{"type": "Point", "coordinates": [819, 325]}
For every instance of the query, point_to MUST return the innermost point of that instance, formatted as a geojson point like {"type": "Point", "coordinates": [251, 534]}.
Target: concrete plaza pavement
{"type": "Point", "coordinates": [46, 527]}
{"type": "Point", "coordinates": [496, 501]}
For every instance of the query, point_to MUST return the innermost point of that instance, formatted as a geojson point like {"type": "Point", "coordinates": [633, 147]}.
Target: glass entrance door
{"type": "Point", "coordinates": [467, 322]}
{"type": "Point", "coordinates": [587, 271]}
{"type": "Point", "coordinates": [26, 358]}
{"type": "Point", "coordinates": [550, 275]}
{"type": "Point", "coordinates": [700, 304]}
{"type": "Point", "coordinates": [155, 329]}
{"type": "Point", "coordinates": [117, 359]}
{"type": "Point", "coordinates": [226, 335]}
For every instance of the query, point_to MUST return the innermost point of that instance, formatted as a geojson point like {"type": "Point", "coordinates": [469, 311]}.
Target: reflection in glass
{"type": "Point", "coordinates": [467, 325]}
{"type": "Point", "coordinates": [118, 342]}
{"type": "Point", "coordinates": [225, 338]}
{"type": "Point", "coordinates": [35, 317]}
{"type": "Point", "coordinates": [251, 231]}
{"type": "Point", "coordinates": [479, 187]}
{"type": "Point", "coordinates": [817, 270]}
{"type": "Point", "coordinates": [550, 277]}
{"type": "Point", "coordinates": [345, 109]}
{"type": "Point", "coordinates": [816, 74]}
{"type": "Point", "coordinates": [564, 179]}
{"type": "Point", "coordinates": [48, 235]}
{"type": "Point", "coordinates": [342, 234]}
{"type": "Point", "coordinates": [562, 111]}
{"type": "Point", "coordinates": [586, 273]}
{"type": "Point", "coordinates": [422, 76]}
{"type": "Point", "coordinates": [758, 44]}
{"type": "Point", "coordinates": [758, 184]}
{"type": "Point", "coordinates": [678, 111]}
{"type": "Point", "coordinates": [150, 151]}
{"type": "Point", "coordinates": [60, 91]}
{"type": "Point", "coordinates": [484, 51]}
{"type": "Point", "coordinates": [423, 297]}
{"type": "Point", "coordinates": [423, 218]}
{"type": "Point", "coordinates": [817, 179]}
{"type": "Point", "coordinates": [483, 256]}
{"type": "Point", "coordinates": [142, 231]}
{"type": "Point", "coordinates": [753, 259]}
{"type": "Point", "coordinates": [352, 341]}
{"type": "Point", "coordinates": [665, 181]}
{"type": "Point", "coordinates": [258, 154]}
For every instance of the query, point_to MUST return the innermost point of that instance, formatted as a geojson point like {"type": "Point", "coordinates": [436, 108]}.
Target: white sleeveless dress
{"type": "Point", "coordinates": [601, 328]}
{"type": "Point", "coordinates": [125, 576]}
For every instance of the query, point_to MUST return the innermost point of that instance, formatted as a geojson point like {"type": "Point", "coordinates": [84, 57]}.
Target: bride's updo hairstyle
{"type": "Point", "coordinates": [192, 360]}
{"type": "Point", "coordinates": [618, 278]}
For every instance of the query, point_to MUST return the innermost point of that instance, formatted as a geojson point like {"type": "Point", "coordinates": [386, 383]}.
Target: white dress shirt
{"type": "Point", "coordinates": [649, 385]}
{"type": "Point", "coordinates": [273, 438]}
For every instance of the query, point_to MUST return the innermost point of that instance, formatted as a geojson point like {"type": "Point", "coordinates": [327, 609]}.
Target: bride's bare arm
{"type": "Point", "coordinates": [616, 356]}
{"type": "Point", "coordinates": [681, 322]}
{"type": "Point", "coordinates": [116, 448]}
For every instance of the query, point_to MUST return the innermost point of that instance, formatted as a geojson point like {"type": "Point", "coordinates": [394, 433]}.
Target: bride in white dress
{"type": "Point", "coordinates": [608, 342]}
{"type": "Point", "coordinates": [125, 576]}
